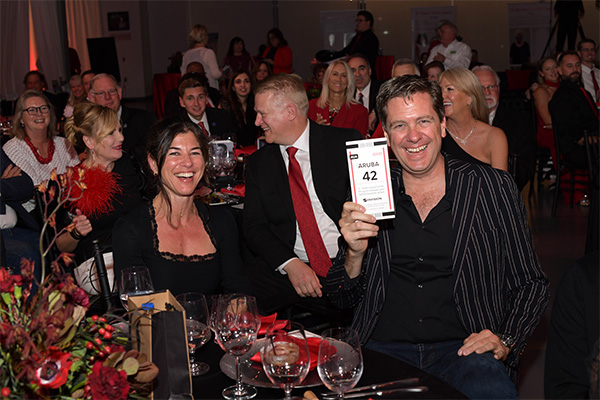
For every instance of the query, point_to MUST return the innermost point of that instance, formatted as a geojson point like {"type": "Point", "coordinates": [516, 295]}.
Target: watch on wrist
{"type": "Point", "coordinates": [506, 339]}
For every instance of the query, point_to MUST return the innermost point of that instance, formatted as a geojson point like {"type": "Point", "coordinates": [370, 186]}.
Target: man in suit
{"type": "Point", "coordinates": [105, 91]}
{"type": "Point", "coordinates": [590, 74]}
{"type": "Point", "coordinates": [573, 110]}
{"type": "Point", "coordinates": [366, 88]}
{"type": "Point", "coordinates": [460, 309]}
{"type": "Point", "coordinates": [517, 126]}
{"type": "Point", "coordinates": [365, 41]}
{"type": "Point", "coordinates": [295, 188]}
{"type": "Point", "coordinates": [193, 98]}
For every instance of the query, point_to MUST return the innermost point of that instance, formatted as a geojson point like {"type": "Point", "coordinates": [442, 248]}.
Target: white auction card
{"type": "Point", "coordinates": [370, 179]}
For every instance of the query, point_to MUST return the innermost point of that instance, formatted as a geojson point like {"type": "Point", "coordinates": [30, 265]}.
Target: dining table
{"type": "Point", "coordinates": [378, 368]}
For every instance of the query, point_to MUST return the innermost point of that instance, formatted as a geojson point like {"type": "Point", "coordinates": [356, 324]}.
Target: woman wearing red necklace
{"type": "Point", "coordinates": [35, 148]}
{"type": "Point", "coordinates": [549, 82]}
{"type": "Point", "coordinates": [111, 180]}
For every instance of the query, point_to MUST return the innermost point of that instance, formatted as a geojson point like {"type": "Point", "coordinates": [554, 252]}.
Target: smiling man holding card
{"type": "Point", "coordinates": [452, 284]}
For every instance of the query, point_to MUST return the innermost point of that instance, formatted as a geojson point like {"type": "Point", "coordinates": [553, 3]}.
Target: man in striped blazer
{"type": "Point", "coordinates": [452, 285]}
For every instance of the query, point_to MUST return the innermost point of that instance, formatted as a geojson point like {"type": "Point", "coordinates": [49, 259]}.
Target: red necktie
{"type": "Point", "coordinates": [590, 101]}
{"type": "Point", "coordinates": [203, 129]}
{"type": "Point", "coordinates": [596, 88]}
{"type": "Point", "coordinates": [361, 98]}
{"type": "Point", "coordinates": [309, 230]}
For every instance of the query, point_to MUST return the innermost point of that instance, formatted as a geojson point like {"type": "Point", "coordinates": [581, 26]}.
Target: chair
{"type": "Point", "coordinates": [565, 170]}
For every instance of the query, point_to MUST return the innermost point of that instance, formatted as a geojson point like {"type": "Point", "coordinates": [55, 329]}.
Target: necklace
{"type": "Point", "coordinates": [333, 112]}
{"type": "Point", "coordinates": [37, 154]}
{"type": "Point", "coordinates": [463, 141]}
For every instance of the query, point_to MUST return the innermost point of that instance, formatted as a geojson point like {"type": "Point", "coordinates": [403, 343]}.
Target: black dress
{"type": "Point", "coordinates": [102, 225]}
{"type": "Point", "coordinates": [450, 146]}
{"type": "Point", "coordinates": [135, 243]}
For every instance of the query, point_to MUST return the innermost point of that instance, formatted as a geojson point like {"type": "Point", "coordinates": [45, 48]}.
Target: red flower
{"type": "Point", "coordinates": [81, 298]}
{"type": "Point", "coordinates": [107, 383]}
{"type": "Point", "coordinates": [54, 370]}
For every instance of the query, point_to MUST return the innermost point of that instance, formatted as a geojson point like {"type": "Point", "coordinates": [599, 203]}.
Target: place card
{"type": "Point", "coordinates": [370, 180]}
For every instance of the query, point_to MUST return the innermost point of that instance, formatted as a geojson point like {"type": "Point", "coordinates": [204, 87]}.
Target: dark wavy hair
{"type": "Point", "coordinates": [159, 142]}
{"type": "Point", "coordinates": [279, 35]}
{"type": "Point", "coordinates": [234, 103]}
{"type": "Point", "coordinates": [233, 41]}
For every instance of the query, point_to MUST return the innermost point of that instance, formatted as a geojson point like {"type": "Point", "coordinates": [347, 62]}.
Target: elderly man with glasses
{"type": "Point", "coordinates": [136, 123]}
{"type": "Point", "coordinates": [516, 124]}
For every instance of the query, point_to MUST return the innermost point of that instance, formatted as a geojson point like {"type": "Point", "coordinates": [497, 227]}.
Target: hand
{"type": "Point", "coordinates": [439, 57]}
{"type": "Point", "coordinates": [81, 224]}
{"type": "Point", "coordinates": [483, 342]}
{"type": "Point", "coordinates": [372, 120]}
{"type": "Point", "coordinates": [356, 227]}
{"type": "Point", "coordinates": [322, 121]}
{"type": "Point", "coordinates": [303, 278]}
{"type": "Point", "coordinates": [11, 171]}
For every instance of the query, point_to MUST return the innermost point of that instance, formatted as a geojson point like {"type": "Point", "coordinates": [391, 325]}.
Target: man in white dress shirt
{"type": "Point", "coordinates": [450, 52]}
{"type": "Point", "coordinates": [590, 74]}
{"type": "Point", "coordinates": [366, 88]}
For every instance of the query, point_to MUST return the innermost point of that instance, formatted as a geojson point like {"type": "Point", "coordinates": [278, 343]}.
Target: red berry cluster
{"type": "Point", "coordinates": [101, 330]}
{"type": "Point", "coordinates": [5, 392]}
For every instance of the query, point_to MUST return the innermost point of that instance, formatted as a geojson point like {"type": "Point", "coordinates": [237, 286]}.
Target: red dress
{"type": "Point", "coordinates": [356, 116]}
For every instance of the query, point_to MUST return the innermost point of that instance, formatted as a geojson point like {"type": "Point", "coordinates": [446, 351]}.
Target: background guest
{"type": "Point", "coordinates": [451, 52]}
{"type": "Point", "coordinates": [278, 54]}
{"type": "Point", "coordinates": [198, 39]}
{"type": "Point", "coordinates": [78, 94]}
{"type": "Point", "coordinates": [237, 58]}
{"type": "Point", "coordinates": [470, 137]}
{"type": "Point", "coordinates": [365, 41]}
{"type": "Point", "coordinates": [549, 81]}
{"type": "Point", "coordinates": [240, 104]}
{"type": "Point", "coordinates": [433, 70]}
{"type": "Point", "coordinates": [35, 80]}
{"type": "Point", "coordinates": [35, 147]}
{"type": "Point", "coordinates": [187, 246]}
{"type": "Point", "coordinates": [86, 79]}
{"type": "Point", "coordinates": [336, 105]}
{"type": "Point", "coordinates": [261, 71]}
{"type": "Point", "coordinates": [113, 185]}
{"type": "Point", "coordinates": [405, 66]}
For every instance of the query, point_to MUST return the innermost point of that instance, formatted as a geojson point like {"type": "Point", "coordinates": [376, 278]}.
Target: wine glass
{"type": "Point", "coordinates": [228, 163]}
{"type": "Point", "coordinates": [237, 324]}
{"type": "Point", "coordinates": [340, 363]}
{"type": "Point", "coordinates": [134, 281]}
{"type": "Point", "coordinates": [196, 314]}
{"type": "Point", "coordinates": [212, 321]}
{"type": "Point", "coordinates": [285, 356]}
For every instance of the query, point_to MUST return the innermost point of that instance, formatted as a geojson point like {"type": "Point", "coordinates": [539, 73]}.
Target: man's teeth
{"type": "Point", "coordinates": [447, 103]}
{"type": "Point", "coordinates": [185, 175]}
{"type": "Point", "coordinates": [416, 149]}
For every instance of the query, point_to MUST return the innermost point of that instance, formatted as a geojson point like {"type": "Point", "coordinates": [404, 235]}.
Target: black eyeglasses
{"type": "Point", "coordinates": [35, 110]}
{"type": "Point", "coordinates": [111, 93]}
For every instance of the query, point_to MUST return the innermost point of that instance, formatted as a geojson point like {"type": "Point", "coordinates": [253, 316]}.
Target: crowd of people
{"type": "Point", "coordinates": [456, 269]}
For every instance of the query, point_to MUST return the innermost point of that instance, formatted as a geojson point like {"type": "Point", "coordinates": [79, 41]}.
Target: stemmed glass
{"type": "Point", "coordinates": [196, 313]}
{"type": "Point", "coordinates": [134, 281]}
{"type": "Point", "coordinates": [222, 160]}
{"type": "Point", "coordinates": [340, 363]}
{"type": "Point", "coordinates": [285, 356]}
{"type": "Point", "coordinates": [237, 324]}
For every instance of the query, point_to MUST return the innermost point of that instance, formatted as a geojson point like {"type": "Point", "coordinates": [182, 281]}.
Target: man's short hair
{"type": "Point", "coordinates": [103, 75]}
{"type": "Point", "coordinates": [562, 55]}
{"type": "Point", "coordinates": [433, 64]}
{"type": "Point", "coordinates": [361, 56]}
{"type": "Point", "coordinates": [368, 16]}
{"type": "Point", "coordinates": [406, 87]}
{"type": "Point", "coordinates": [583, 41]}
{"type": "Point", "coordinates": [192, 80]}
{"type": "Point", "coordinates": [451, 25]}
{"type": "Point", "coordinates": [487, 68]}
{"type": "Point", "coordinates": [406, 61]}
{"type": "Point", "coordinates": [87, 72]}
{"type": "Point", "coordinates": [289, 86]}
{"type": "Point", "coordinates": [39, 74]}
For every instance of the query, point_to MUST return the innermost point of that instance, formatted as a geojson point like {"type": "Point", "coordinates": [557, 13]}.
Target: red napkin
{"type": "Point", "coordinates": [238, 190]}
{"type": "Point", "coordinates": [313, 350]}
{"type": "Point", "coordinates": [265, 322]}
{"type": "Point", "coordinates": [245, 150]}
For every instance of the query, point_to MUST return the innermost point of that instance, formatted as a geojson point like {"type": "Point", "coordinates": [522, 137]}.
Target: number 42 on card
{"type": "Point", "coordinates": [370, 182]}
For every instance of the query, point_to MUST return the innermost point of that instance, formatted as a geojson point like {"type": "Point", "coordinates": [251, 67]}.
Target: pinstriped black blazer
{"type": "Point", "coordinates": [499, 284]}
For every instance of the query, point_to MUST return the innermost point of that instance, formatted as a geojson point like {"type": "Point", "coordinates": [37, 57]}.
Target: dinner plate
{"type": "Point", "coordinates": [253, 373]}
{"type": "Point", "coordinates": [219, 199]}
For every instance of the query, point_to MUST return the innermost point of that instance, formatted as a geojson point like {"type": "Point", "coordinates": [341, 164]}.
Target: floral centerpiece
{"type": "Point", "coordinates": [49, 348]}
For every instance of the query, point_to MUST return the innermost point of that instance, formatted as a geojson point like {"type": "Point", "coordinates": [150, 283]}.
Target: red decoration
{"type": "Point", "coordinates": [107, 383]}
{"type": "Point", "coordinates": [36, 153]}
{"type": "Point", "coordinates": [100, 189]}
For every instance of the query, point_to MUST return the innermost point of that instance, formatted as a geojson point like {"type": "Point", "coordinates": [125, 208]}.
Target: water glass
{"type": "Point", "coordinates": [134, 281]}
{"type": "Point", "coordinates": [340, 363]}
{"type": "Point", "coordinates": [196, 325]}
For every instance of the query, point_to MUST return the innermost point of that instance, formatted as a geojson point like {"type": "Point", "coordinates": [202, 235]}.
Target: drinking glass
{"type": "Point", "coordinates": [237, 324]}
{"type": "Point", "coordinates": [212, 321]}
{"type": "Point", "coordinates": [340, 363]}
{"type": "Point", "coordinates": [134, 281]}
{"type": "Point", "coordinates": [285, 356]}
{"type": "Point", "coordinates": [196, 324]}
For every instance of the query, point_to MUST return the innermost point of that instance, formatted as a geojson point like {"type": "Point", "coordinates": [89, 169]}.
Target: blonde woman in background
{"type": "Point", "coordinates": [197, 40]}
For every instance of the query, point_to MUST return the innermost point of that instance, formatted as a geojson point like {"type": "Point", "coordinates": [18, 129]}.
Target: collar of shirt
{"type": "Point", "coordinates": [120, 112]}
{"type": "Point", "coordinates": [492, 115]}
{"type": "Point", "coordinates": [366, 91]}
{"type": "Point", "coordinates": [204, 120]}
{"type": "Point", "coordinates": [302, 144]}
